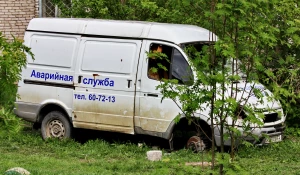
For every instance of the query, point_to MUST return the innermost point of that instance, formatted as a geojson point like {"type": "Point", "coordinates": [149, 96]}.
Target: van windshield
{"type": "Point", "coordinates": [199, 47]}
{"type": "Point", "coordinates": [195, 50]}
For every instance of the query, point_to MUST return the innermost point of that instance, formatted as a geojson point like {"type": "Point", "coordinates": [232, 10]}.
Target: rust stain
{"type": "Point", "coordinates": [95, 75]}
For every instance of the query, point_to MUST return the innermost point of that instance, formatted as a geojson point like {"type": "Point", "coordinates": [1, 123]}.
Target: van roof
{"type": "Point", "coordinates": [175, 33]}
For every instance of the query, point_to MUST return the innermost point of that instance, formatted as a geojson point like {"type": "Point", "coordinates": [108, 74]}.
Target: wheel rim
{"type": "Point", "coordinates": [55, 128]}
{"type": "Point", "coordinates": [196, 144]}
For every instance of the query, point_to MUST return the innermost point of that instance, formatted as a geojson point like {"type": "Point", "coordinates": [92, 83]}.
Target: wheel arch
{"type": "Point", "coordinates": [184, 124]}
{"type": "Point", "coordinates": [185, 130]}
{"type": "Point", "coordinates": [52, 106]}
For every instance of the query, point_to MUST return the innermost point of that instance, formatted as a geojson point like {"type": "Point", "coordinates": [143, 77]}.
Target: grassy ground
{"type": "Point", "coordinates": [103, 155]}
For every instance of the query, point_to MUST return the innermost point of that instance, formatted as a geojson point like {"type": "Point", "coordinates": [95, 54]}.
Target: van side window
{"type": "Point", "coordinates": [177, 67]}
{"type": "Point", "coordinates": [181, 70]}
{"type": "Point", "coordinates": [154, 63]}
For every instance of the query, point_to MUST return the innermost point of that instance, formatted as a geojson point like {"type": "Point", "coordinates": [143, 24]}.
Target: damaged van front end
{"type": "Point", "coordinates": [269, 112]}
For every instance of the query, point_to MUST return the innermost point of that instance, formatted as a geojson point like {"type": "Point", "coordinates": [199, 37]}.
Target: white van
{"type": "Point", "coordinates": [94, 74]}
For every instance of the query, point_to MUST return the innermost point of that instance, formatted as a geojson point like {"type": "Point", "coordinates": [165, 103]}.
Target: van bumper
{"type": "Point", "coordinates": [27, 111]}
{"type": "Point", "coordinates": [275, 132]}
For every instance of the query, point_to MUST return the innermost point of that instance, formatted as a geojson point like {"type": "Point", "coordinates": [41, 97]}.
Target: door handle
{"type": "Point", "coordinates": [152, 95]}
{"type": "Point", "coordinates": [79, 78]}
{"type": "Point", "coordinates": [129, 82]}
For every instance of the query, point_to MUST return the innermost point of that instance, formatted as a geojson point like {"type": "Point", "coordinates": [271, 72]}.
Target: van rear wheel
{"type": "Point", "coordinates": [56, 125]}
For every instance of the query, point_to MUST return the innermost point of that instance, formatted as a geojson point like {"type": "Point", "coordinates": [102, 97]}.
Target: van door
{"type": "Point", "coordinates": [104, 93]}
{"type": "Point", "coordinates": [156, 115]}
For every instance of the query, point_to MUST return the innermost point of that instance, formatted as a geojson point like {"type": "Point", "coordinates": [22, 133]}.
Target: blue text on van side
{"type": "Point", "coordinates": [94, 82]}
{"type": "Point", "coordinates": [95, 97]}
{"type": "Point", "coordinates": [49, 76]}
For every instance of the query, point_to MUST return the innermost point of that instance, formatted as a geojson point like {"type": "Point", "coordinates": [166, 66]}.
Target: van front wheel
{"type": "Point", "coordinates": [56, 125]}
{"type": "Point", "coordinates": [196, 144]}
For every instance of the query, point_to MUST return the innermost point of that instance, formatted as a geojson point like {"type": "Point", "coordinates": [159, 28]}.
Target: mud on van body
{"type": "Point", "coordinates": [94, 74]}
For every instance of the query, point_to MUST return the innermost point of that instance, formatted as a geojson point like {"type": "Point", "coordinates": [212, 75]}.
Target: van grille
{"type": "Point", "coordinates": [271, 117]}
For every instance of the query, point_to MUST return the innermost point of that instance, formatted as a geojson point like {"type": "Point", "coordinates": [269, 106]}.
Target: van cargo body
{"type": "Point", "coordinates": [94, 74]}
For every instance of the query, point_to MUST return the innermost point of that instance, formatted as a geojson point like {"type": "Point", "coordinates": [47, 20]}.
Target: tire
{"type": "Point", "coordinates": [197, 144]}
{"type": "Point", "coordinates": [56, 125]}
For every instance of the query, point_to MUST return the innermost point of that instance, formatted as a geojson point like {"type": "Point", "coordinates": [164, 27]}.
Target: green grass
{"type": "Point", "coordinates": [282, 158]}
{"type": "Point", "coordinates": [97, 156]}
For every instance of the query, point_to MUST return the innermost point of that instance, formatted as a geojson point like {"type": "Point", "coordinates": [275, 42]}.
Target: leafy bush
{"type": "Point", "coordinates": [12, 60]}
{"type": "Point", "coordinates": [292, 131]}
{"type": "Point", "coordinates": [9, 121]}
